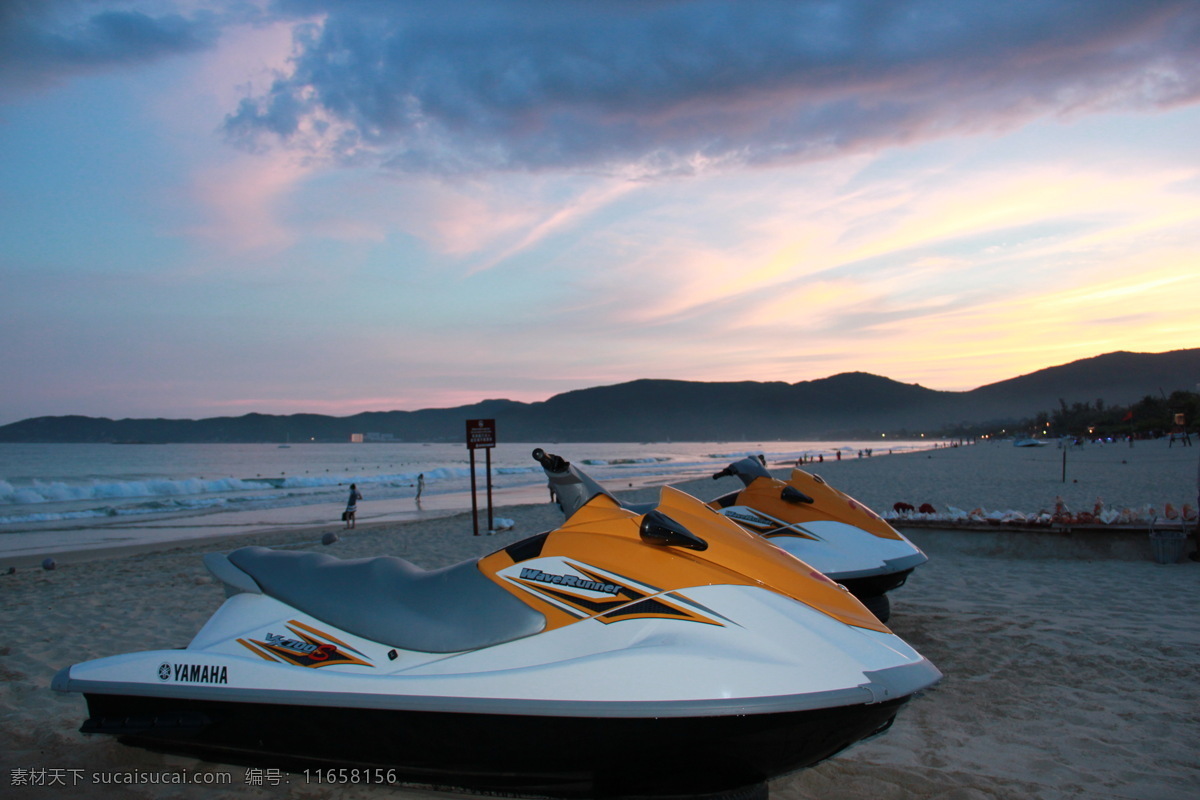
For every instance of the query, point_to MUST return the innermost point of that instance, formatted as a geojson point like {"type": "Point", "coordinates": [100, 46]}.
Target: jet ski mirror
{"type": "Point", "coordinates": [791, 494]}
{"type": "Point", "coordinates": [659, 529]}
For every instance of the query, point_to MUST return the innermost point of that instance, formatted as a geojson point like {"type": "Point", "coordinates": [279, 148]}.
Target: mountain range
{"type": "Point", "coordinates": [853, 404]}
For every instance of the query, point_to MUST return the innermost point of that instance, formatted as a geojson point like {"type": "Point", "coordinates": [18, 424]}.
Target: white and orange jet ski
{"type": "Point", "coordinates": [805, 516]}
{"type": "Point", "coordinates": [824, 527]}
{"type": "Point", "coordinates": [668, 652]}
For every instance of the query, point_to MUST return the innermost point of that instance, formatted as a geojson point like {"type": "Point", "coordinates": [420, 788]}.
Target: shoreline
{"type": "Point", "coordinates": [983, 477]}
{"type": "Point", "coordinates": [117, 540]}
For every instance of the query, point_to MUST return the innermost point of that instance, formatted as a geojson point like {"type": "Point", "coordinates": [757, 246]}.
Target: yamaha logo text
{"type": "Point", "coordinates": [194, 673]}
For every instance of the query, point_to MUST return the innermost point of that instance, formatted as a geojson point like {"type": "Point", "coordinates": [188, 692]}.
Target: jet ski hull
{"type": "Point", "coordinates": [530, 754]}
{"type": "Point", "coordinates": [622, 654]}
{"type": "Point", "coordinates": [873, 585]}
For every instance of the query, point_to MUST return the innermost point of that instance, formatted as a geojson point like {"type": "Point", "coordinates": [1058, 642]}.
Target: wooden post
{"type": "Point", "coordinates": [481, 434]}
{"type": "Point", "coordinates": [487, 454]}
{"type": "Point", "coordinates": [474, 501]}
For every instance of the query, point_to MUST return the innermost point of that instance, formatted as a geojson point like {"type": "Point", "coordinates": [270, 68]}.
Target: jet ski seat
{"type": "Point", "coordinates": [386, 599]}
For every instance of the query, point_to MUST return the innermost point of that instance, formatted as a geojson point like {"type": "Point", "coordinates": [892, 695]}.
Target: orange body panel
{"type": "Point", "coordinates": [605, 536]}
{"type": "Point", "coordinates": [763, 495]}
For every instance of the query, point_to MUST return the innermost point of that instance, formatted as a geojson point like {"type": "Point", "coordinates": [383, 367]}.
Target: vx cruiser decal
{"type": "Point", "coordinates": [584, 592]}
{"type": "Point", "coordinates": [305, 646]}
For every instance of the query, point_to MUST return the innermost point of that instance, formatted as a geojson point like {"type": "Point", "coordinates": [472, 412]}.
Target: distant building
{"type": "Point", "coordinates": [358, 438]}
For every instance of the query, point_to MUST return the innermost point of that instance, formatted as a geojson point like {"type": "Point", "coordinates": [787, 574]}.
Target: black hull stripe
{"type": "Point", "coordinates": [568, 756]}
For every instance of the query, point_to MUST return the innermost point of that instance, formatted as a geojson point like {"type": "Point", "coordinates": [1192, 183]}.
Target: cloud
{"type": "Point", "coordinates": [677, 87]}
{"type": "Point", "coordinates": [242, 200]}
{"type": "Point", "coordinates": [43, 42]}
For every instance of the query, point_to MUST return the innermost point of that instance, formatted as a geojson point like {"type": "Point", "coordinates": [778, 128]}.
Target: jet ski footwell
{"type": "Point", "coordinates": [551, 755]}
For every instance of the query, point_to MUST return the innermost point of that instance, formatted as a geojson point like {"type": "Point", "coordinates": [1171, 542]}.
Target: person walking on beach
{"type": "Point", "coordinates": [352, 506]}
{"type": "Point", "coordinates": [420, 487]}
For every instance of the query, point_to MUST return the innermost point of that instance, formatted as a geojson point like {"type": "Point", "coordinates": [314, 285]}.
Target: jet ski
{"type": "Point", "coordinates": [805, 516]}
{"type": "Point", "coordinates": [660, 653]}
{"type": "Point", "coordinates": [825, 527]}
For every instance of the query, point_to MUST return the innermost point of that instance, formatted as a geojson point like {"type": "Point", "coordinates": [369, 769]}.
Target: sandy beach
{"type": "Point", "coordinates": [1071, 671]}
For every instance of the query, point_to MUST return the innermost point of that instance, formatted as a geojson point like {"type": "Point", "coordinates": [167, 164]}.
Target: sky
{"type": "Point", "coordinates": [216, 208]}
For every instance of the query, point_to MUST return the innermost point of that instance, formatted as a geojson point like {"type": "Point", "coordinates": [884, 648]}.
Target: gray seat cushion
{"type": "Point", "coordinates": [392, 601]}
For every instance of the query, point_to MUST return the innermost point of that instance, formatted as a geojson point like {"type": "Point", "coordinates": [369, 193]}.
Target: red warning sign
{"type": "Point", "coordinates": [481, 434]}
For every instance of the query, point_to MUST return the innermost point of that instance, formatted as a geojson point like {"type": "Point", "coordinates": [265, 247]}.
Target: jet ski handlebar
{"type": "Point", "coordinates": [550, 462]}
{"type": "Point", "coordinates": [746, 470]}
{"type": "Point", "coordinates": [571, 488]}
{"type": "Point", "coordinates": [750, 469]}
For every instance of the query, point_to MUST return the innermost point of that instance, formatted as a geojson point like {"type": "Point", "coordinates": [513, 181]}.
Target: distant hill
{"type": "Point", "coordinates": [1118, 378]}
{"type": "Point", "coordinates": [846, 405]}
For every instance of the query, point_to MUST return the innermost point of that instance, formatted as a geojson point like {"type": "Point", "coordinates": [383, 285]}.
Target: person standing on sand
{"type": "Point", "coordinates": [420, 487]}
{"type": "Point", "coordinates": [352, 506]}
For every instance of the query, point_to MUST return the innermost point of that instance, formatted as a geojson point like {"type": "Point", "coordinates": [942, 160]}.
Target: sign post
{"type": "Point", "coordinates": [481, 435]}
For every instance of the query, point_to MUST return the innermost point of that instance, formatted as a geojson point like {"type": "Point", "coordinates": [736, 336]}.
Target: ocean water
{"type": "Point", "coordinates": [70, 485]}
